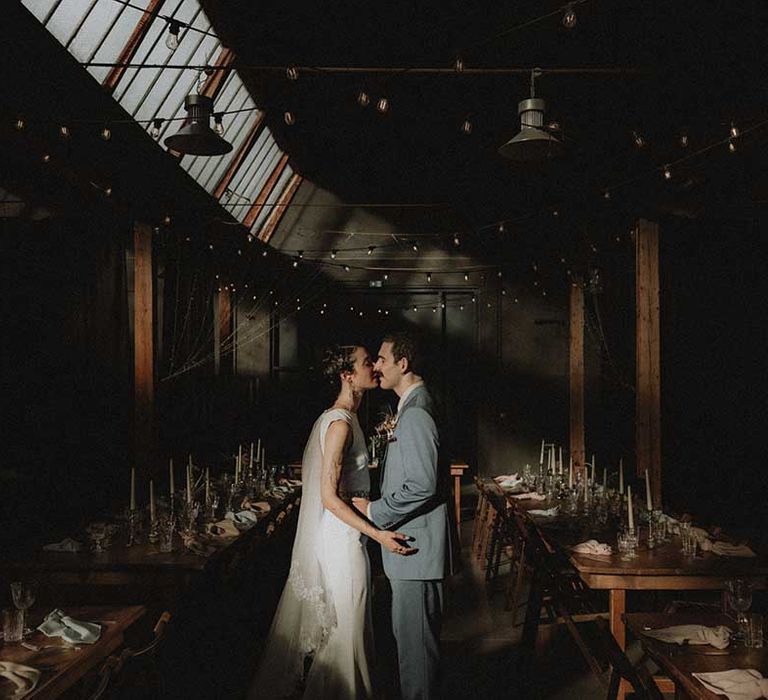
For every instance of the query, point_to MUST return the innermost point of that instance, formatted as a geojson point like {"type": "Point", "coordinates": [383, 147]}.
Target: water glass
{"type": "Point", "coordinates": [166, 528]}
{"type": "Point", "coordinates": [13, 625]}
{"type": "Point", "coordinates": [754, 631]}
{"type": "Point", "coordinates": [627, 544]}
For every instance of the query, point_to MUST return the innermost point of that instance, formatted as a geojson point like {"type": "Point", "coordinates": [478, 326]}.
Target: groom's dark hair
{"type": "Point", "coordinates": [409, 345]}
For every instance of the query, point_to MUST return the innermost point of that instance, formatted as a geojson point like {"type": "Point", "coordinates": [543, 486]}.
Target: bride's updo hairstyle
{"type": "Point", "coordinates": [338, 359]}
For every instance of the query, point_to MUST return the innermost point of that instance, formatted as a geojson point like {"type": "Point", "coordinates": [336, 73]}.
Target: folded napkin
{"type": "Point", "coordinates": [726, 549]}
{"type": "Point", "coordinates": [506, 477]}
{"type": "Point", "coordinates": [531, 496]}
{"type": "Point", "coordinates": [223, 528]}
{"type": "Point", "coordinates": [66, 545]}
{"type": "Point", "coordinates": [548, 513]}
{"type": "Point", "coordinates": [508, 482]}
{"type": "Point", "coordinates": [593, 547]}
{"type": "Point", "coordinates": [243, 517]}
{"type": "Point", "coordinates": [290, 482]}
{"type": "Point", "coordinates": [23, 677]}
{"type": "Point", "coordinates": [257, 506]}
{"type": "Point", "coordinates": [738, 684]}
{"type": "Point", "coordinates": [719, 637]}
{"type": "Point", "coordinates": [57, 624]}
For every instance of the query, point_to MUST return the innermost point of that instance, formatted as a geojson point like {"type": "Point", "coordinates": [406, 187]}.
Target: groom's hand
{"type": "Point", "coordinates": [361, 504]}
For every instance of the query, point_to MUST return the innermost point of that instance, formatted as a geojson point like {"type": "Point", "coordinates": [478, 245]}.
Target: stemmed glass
{"type": "Point", "coordinates": [740, 598]}
{"type": "Point", "coordinates": [23, 593]}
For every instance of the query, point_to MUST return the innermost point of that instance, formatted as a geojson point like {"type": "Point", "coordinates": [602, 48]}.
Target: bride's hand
{"type": "Point", "coordinates": [396, 542]}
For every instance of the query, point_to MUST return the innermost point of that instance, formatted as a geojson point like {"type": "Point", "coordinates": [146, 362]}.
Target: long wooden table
{"type": "Point", "coordinates": [679, 663]}
{"type": "Point", "coordinates": [664, 568]}
{"type": "Point", "coordinates": [63, 666]}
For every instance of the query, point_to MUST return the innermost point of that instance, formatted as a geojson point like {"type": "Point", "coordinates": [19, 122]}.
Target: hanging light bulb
{"type": "Point", "coordinates": [638, 139]}
{"type": "Point", "coordinates": [501, 227]}
{"type": "Point", "coordinates": [466, 277]}
{"type": "Point", "coordinates": [363, 99]}
{"type": "Point", "coordinates": [466, 127]}
{"type": "Point", "coordinates": [289, 119]}
{"type": "Point", "coordinates": [218, 126]}
{"type": "Point", "coordinates": [46, 158]}
{"type": "Point", "coordinates": [499, 274]}
{"type": "Point", "coordinates": [371, 249]}
{"type": "Point", "coordinates": [569, 17]}
{"type": "Point", "coordinates": [64, 132]}
{"type": "Point", "coordinates": [108, 191]}
{"type": "Point", "coordinates": [415, 247]}
{"type": "Point", "coordinates": [607, 194]}
{"type": "Point", "coordinates": [731, 145]}
{"type": "Point", "coordinates": [172, 38]}
{"type": "Point", "coordinates": [434, 309]}
{"type": "Point", "coordinates": [346, 268]}
{"type": "Point", "coordinates": [474, 299]}
{"type": "Point", "coordinates": [442, 304]}
{"type": "Point", "coordinates": [458, 65]}
{"type": "Point", "coordinates": [301, 254]}
{"type": "Point", "coordinates": [415, 309]}
{"type": "Point", "coordinates": [382, 106]}
{"type": "Point", "coordinates": [667, 173]}
{"type": "Point", "coordinates": [292, 73]}
{"type": "Point", "coordinates": [295, 262]}
{"type": "Point", "coordinates": [264, 253]}
{"type": "Point", "coordinates": [333, 255]}
{"type": "Point", "coordinates": [154, 131]}
{"type": "Point", "coordinates": [167, 220]}
{"type": "Point", "coordinates": [684, 140]}
{"type": "Point", "coordinates": [386, 276]}
{"type": "Point", "coordinates": [734, 131]}
{"type": "Point", "coordinates": [20, 124]}
{"type": "Point", "coordinates": [429, 277]}
{"type": "Point", "coordinates": [106, 133]}
{"type": "Point", "coordinates": [456, 239]}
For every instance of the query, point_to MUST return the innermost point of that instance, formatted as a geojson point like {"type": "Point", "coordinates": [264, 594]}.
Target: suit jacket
{"type": "Point", "coordinates": [414, 492]}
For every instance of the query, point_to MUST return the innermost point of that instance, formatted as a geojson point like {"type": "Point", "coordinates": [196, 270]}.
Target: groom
{"type": "Point", "coordinates": [413, 501]}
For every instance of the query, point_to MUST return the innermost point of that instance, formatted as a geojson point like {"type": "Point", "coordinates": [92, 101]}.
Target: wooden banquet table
{"type": "Point", "coordinates": [63, 666]}
{"type": "Point", "coordinates": [680, 662]}
{"type": "Point", "coordinates": [664, 568]}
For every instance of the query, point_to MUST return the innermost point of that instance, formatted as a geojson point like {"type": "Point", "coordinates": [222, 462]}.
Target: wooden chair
{"type": "Point", "coordinates": [479, 530]}
{"type": "Point", "coordinates": [621, 667]}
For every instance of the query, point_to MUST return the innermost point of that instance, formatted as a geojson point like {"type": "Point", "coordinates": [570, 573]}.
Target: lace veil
{"type": "Point", "coordinates": [305, 614]}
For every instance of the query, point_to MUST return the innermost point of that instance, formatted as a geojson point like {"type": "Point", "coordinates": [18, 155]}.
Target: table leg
{"type": "Point", "coordinates": [617, 602]}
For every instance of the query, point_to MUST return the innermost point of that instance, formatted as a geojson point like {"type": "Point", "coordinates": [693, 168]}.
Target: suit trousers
{"type": "Point", "coordinates": [417, 615]}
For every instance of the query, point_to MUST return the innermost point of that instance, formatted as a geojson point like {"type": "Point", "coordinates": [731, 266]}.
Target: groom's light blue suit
{"type": "Point", "coordinates": [414, 501]}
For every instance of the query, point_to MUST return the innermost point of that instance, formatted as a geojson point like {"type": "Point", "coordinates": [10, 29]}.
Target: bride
{"type": "Point", "coordinates": [324, 611]}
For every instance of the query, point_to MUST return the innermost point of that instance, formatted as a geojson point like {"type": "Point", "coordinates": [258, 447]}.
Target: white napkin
{"type": "Point", "coordinates": [66, 545]}
{"type": "Point", "coordinates": [726, 549]}
{"type": "Point", "coordinates": [291, 482]}
{"type": "Point", "coordinates": [738, 684]}
{"type": "Point", "coordinates": [548, 513]}
{"type": "Point", "coordinates": [243, 517]}
{"type": "Point", "coordinates": [57, 624]}
{"type": "Point", "coordinates": [23, 677]}
{"type": "Point", "coordinates": [593, 547]}
{"type": "Point", "coordinates": [507, 481]}
{"type": "Point", "coordinates": [719, 637]}
{"type": "Point", "coordinates": [531, 496]}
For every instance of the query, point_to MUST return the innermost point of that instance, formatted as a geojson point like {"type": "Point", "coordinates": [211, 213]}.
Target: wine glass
{"type": "Point", "coordinates": [23, 593]}
{"type": "Point", "coordinates": [740, 598]}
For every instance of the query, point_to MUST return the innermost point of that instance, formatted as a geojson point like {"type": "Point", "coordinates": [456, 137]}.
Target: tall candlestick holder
{"type": "Point", "coordinates": [154, 532]}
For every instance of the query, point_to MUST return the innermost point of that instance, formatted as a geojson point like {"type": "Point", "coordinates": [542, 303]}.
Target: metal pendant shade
{"type": "Point", "coordinates": [533, 143]}
{"type": "Point", "coordinates": [196, 136]}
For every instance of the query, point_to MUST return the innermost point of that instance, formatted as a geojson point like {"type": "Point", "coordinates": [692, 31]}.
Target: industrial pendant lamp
{"type": "Point", "coordinates": [534, 142]}
{"type": "Point", "coordinates": [196, 136]}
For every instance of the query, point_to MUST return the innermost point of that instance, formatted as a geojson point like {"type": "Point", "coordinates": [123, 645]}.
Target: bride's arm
{"type": "Point", "coordinates": [339, 433]}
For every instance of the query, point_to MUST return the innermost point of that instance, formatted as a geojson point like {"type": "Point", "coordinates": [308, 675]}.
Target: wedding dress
{"type": "Point", "coordinates": [324, 611]}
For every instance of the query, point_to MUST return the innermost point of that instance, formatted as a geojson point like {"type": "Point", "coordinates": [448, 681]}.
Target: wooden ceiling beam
{"type": "Point", "coordinates": [277, 213]}
{"type": "Point", "coordinates": [266, 190]}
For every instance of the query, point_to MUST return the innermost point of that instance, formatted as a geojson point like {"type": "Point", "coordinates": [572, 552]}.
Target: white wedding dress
{"type": "Point", "coordinates": [324, 611]}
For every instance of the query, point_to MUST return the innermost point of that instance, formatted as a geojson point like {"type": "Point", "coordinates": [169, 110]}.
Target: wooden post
{"type": "Point", "coordinates": [226, 340]}
{"type": "Point", "coordinates": [648, 402]}
{"type": "Point", "coordinates": [143, 335]}
{"type": "Point", "coordinates": [577, 373]}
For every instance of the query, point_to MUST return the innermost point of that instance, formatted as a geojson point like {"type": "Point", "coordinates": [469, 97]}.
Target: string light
{"type": "Point", "coordinates": [429, 277]}
{"type": "Point", "coordinates": [667, 173]}
{"type": "Point", "coordinates": [466, 277]}
{"type": "Point", "coordinates": [684, 140]}
{"type": "Point", "coordinates": [295, 262]}
{"type": "Point", "coordinates": [501, 227]}
{"type": "Point", "coordinates": [333, 255]}
{"type": "Point", "coordinates": [458, 66]}
{"type": "Point", "coordinates": [218, 126]}
{"type": "Point", "coordinates": [466, 127]}
{"type": "Point", "coordinates": [415, 309]}
{"type": "Point", "coordinates": [154, 131]}
{"type": "Point", "coordinates": [569, 17]}
{"type": "Point", "coordinates": [292, 73]}
{"type": "Point", "coordinates": [46, 158]}
{"type": "Point", "coordinates": [734, 131]}
{"type": "Point", "coordinates": [461, 307]}
{"type": "Point", "coordinates": [456, 239]}
{"type": "Point", "coordinates": [386, 276]}
{"type": "Point", "coordinates": [371, 249]}
{"type": "Point", "coordinates": [363, 98]}
{"type": "Point", "coordinates": [382, 106]}
{"type": "Point", "coordinates": [20, 124]}
{"type": "Point", "coordinates": [638, 138]}
{"type": "Point", "coordinates": [346, 268]}
{"type": "Point", "coordinates": [415, 247]}
{"type": "Point", "coordinates": [300, 254]}
{"type": "Point", "coordinates": [731, 145]}
{"type": "Point", "coordinates": [108, 191]}
{"type": "Point", "coordinates": [172, 38]}
{"type": "Point", "coordinates": [434, 309]}
{"type": "Point", "coordinates": [607, 194]}
{"type": "Point", "coordinates": [289, 119]}
{"type": "Point", "coordinates": [64, 132]}
{"type": "Point", "coordinates": [167, 220]}
{"type": "Point", "coordinates": [264, 253]}
{"type": "Point", "coordinates": [106, 133]}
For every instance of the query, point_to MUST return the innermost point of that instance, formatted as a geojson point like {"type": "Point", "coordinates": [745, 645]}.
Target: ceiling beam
{"type": "Point", "coordinates": [266, 190]}
{"type": "Point", "coordinates": [277, 213]}
{"type": "Point", "coordinates": [132, 45]}
{"type": "Point", "coordinates": [237, 159]}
